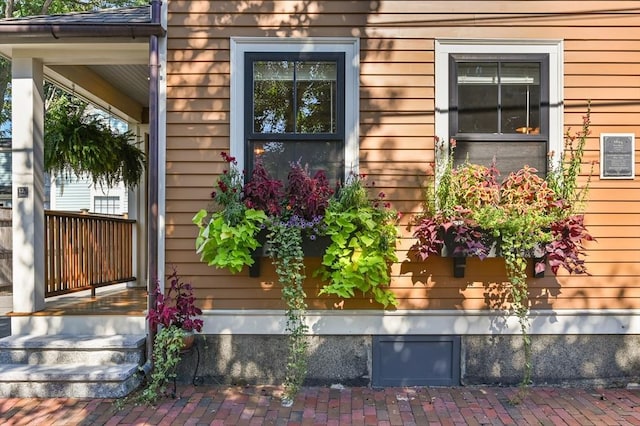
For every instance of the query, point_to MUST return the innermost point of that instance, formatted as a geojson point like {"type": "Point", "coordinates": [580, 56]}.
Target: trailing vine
{"type": "Point", "coordinates": [285, 248]}
{"type": "Point", "coordinates": [516, 267]}
{"type": "Point", "coordinates": [166, 355]}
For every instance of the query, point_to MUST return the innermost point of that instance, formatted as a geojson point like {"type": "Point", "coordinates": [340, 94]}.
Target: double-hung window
{"type": "Point", "coordinates": [295, 100]}
{"type": "Point", "coordinates": [294, 112]}
{"type": "Point", "coordinates": [500, 102]}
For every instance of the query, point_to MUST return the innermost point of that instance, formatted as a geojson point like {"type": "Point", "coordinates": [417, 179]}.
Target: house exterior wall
{"type": "Point", "coordinates": [601, 63]}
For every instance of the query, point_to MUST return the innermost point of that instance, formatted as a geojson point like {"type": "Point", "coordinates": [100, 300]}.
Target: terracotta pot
{"type": "Point", "coordinates": [188, 340]}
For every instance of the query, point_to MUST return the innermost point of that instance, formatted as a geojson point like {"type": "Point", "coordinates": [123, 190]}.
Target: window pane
{"type": "Point", "coordinates": [273, 96]}
{"type": "Point", "coordinates": [294, 96]}
{"type": "Point", "coordinates": [278, 156]}
{"type": "Point", "coordinates": [520, 97]}
{"type": "Point", "coordinates": [316, 103]}
{"type": "Point", "coordinates": [106, 204]}
{"type": "Point", "coordinates": [477, 97]}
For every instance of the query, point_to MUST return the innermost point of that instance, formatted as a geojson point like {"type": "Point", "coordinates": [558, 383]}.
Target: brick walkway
{"type": "Point", "coordinates": [349, 406]}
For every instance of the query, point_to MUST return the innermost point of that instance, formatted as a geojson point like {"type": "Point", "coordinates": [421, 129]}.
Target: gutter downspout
{"type": "Point", "coordinates": [152, 203]}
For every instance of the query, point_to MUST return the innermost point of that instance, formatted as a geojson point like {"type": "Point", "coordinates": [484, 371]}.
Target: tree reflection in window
{"type": "Point", "coordinates": [296, 113]}
{"type": "Point", "coordinates": [294, 97]}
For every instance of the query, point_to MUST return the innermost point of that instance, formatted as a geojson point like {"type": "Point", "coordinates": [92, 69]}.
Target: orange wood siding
{"type": "Point", "coordinates": [397, 38]}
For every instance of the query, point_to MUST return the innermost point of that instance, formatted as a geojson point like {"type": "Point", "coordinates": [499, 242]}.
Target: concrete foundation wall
{"type": "Point", "coordinates": [604, 360]}
{"type": "Point", "coordinates": [251, 359]}
{"type": "Point", "coordinates": [576, 360]}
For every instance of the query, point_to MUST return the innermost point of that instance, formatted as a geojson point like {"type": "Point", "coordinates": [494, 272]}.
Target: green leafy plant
{"type": "Point", "coordinates": [82, 144]}
{"type": "Point", "coordinates": [285, 248]}
{"type": "Point", "coordinates": [227, 237]}
{"type": "Point", "coordinates": [363, 241]}
{"type": "Point", "coordinates": [167, 346]}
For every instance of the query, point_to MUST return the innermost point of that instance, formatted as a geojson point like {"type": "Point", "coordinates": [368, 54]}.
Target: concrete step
{"type": "Point", "coordinates": [73, 366]}
{"type": "Point", "coordinates": [78, 325]}
{"type": "Point", "coordinates": [67, 349]}
{"type": "Point", "coordinates": [68, 380]}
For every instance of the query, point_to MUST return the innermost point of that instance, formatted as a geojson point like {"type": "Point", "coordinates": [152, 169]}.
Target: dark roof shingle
{"type": "Point", "coordinates": [126, 16]}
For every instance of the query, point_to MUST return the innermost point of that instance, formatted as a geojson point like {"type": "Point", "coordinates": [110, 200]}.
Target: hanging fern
{"type": "Point", "coordinates": [82, 144]}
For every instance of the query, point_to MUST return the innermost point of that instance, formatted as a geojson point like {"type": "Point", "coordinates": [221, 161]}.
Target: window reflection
{"type": "Point", "coordinates": [294, 97]}
{"type": "Point", "coordinates": [498, 97]}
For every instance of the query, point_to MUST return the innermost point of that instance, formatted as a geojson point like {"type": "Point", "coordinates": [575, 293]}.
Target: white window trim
{"type": "Point", "coordinates": [349, 46]}
{"type": "Point", "coordinates": [554, 48]}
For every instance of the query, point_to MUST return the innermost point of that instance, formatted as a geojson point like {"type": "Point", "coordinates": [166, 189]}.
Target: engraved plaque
{"type": "Point", "coordinates": [617, 156]}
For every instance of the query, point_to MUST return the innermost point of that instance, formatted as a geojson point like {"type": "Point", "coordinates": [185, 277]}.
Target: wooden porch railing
{"type": "Point", "coordinates": [83, 252]}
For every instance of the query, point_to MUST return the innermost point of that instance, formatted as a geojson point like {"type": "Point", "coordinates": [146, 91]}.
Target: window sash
{"type": "Point", "coordinates": [332, 57]}
{"type": "Point", "coordinates": [542, 134]}
{"type": "Point", "coordinates": [255, 140]}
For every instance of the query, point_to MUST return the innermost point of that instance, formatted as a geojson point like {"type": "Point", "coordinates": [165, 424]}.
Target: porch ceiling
{"type": "Point", "coordinates": [114, 76]}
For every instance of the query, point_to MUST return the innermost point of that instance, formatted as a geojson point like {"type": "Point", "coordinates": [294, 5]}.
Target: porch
{"type": "Point", "coordinates": [112, 311]}
{"type": "Point", "coordinates": [89, 275]}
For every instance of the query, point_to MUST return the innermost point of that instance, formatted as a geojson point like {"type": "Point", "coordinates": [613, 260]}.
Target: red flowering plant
{"type": "Point", "coordinates": [301, 203]}
{"type": "Point", "coordinates": [176, 307]}
{"type": "Point", "coordinates": [262, 192]}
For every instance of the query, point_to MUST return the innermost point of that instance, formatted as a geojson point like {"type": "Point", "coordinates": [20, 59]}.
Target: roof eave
{"type": "Point", "coordinates": [26, 32]}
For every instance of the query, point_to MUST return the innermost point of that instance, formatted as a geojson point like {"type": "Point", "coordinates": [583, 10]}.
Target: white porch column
{"type": "Point", "coordinates": [137, 210]}
{"type": "Point", "coordinates": [28, 184]}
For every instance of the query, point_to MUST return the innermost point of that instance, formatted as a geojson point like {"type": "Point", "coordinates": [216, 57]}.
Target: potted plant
{"type": "Point", "coordinates": [525, 214]}
{"type": "Point", "coordinates": [288, 221]}
{"type": "Point", "coordinates": [174, 317]}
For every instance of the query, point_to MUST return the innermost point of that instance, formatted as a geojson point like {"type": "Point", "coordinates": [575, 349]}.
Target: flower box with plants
{"type": "Point", "coordinates": [172, 321]}
{"type": "Point", "coordinates": [472, 213]}
{"type": "Point", "coordinates": [342, 226]}
{"type": "Point", "coordinates": [354, 235]}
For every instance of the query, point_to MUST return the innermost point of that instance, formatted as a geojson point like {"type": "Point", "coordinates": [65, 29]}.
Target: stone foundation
{"type": "Point", "coordinates": [569, 360]}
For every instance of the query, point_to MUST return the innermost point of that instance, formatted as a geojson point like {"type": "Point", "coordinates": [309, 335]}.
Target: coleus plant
{"type": "Point", "coordinates": [471, 209]}
{"type": "Point", "coordinates": [177, 307]}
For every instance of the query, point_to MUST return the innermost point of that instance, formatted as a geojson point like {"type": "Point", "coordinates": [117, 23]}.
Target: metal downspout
{"type": "Point", "coordinates": [152, 167]}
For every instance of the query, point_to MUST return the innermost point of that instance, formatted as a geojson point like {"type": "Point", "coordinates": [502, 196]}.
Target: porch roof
{"type": "Point", "coordinates": [118, 22]}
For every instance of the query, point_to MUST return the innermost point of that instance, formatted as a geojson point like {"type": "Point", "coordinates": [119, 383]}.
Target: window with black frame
{"type": "Point", "coordinates": [499, 109]}
{"type": "Point", "coordinates": [294, 112]}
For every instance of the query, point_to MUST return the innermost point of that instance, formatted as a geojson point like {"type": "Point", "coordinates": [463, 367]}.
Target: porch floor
{"type": "Point", "coordinates": [108, 301]}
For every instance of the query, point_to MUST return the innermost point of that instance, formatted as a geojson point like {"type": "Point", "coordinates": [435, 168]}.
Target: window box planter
{"type": "Point", "coordinates": [483, 247]}
{"type": "Point", "coordinates": [311, 247]}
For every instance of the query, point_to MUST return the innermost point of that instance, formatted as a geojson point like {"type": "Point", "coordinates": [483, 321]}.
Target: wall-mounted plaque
{"type": "Point", "coordinates": [617, 155]}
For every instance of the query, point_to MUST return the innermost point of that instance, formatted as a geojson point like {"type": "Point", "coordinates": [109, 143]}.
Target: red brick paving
{"type": "Point", "coordinates": [260, 405]}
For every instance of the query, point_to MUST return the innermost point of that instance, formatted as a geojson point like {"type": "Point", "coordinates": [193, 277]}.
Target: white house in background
{"type": "Point", "coordinates": [73, 194]}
